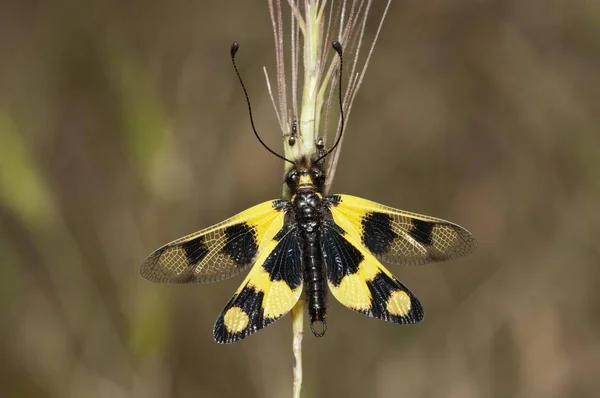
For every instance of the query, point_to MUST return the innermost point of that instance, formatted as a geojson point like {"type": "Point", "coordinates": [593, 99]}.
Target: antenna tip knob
{"type": "Point", "coordinates": [234, 48]}
{"type": "Point", "coordinates": [337, 46]}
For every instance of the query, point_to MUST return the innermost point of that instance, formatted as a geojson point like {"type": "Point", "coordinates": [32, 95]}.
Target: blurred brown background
{"type": "Point", "coordinates": [122, 127]}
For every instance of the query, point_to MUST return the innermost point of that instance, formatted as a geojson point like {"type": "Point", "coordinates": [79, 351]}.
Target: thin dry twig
{"type": "Point", "coordinates": [333, 161]}
{"type": "Point", "coordinates": [277, 24]}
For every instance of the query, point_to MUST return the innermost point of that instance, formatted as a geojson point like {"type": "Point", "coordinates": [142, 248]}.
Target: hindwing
{"type": "Point", "coordinates": [270, 290]}
{"type": "Point", "coordinates": [220, 251]}
{"type": "Point", "coordinates": [396, 236]}
{"type": "Point", "coordinates": [359, 281]}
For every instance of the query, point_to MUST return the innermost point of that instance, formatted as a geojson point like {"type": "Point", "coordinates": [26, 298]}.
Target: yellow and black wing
{"type": "Point", "coordinates": [396, 236]}
{"type": "Point", "coordinates": [218, 252]}
{"type": "Point", "coordinates": [270, 290]}
{"type": "Point", "coordinates": [359, 281]}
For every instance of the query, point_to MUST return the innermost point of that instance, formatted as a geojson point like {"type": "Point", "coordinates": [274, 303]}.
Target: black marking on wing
{"type": "Point", "coordinates": [195, 250]}
{"type": "Point", "coordinates": [421, 231]}
{"type": "Point", "coordinates": [378, 233]}
{"type": "Point", "coordinates": [340, 256]}
{"type": "Point", "coordinates": [250, 301]}
{"type": "Point", "coordinates": [381, 288]}
{"type": "Point", "coordinates": [241, 243]}
{"type": "Point", "coordinates": [284, 263]}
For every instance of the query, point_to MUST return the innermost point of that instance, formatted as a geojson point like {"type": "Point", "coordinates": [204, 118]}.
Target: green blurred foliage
{"type": "Point", "coordinates": [122, 127]}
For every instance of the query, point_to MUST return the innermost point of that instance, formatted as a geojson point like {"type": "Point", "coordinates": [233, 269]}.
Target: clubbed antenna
{"type": "Point", "coordinates": [234, 49]}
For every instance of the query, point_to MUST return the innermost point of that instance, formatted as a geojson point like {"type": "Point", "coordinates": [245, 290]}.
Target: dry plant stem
{"type": "Point", "coordinates": [312, 29]}
{"type": "Point", "coordinates": [277, 22]}
{"type": "Point", "coordinates": [308, 126]}
{"type": "Point", "coordinates": [309, 115]}
{"type": "Point", "coordinates": [297, 329]}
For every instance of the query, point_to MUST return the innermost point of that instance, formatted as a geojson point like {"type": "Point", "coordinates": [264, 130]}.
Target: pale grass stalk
{"type": "Point", "coordinates": [298, 331]}
{"type": "Point", "coordinates": [314, 24]}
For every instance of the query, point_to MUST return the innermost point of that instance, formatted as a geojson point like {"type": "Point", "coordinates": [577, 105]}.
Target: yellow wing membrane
{"type": "Point", "coordinates": [396, 236]}
{"type": "Point", "coordinates": [218, 252]}
{"type": "Point", "coordinates": [270, 290]}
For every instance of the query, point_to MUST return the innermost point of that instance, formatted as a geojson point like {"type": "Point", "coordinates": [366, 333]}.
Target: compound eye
{"type": "Point", "coordinates": [294, 177]}
{"type": "Point", "coordinates": [316, 174]}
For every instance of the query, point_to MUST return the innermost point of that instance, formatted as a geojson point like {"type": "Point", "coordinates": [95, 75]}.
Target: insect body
{"type": "Point", "coordinates": [314, 243]}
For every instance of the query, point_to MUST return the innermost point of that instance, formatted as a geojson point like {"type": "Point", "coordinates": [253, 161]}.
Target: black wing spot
{"type": "Point", "coordinates": [195, 250]}
{"type": "Point", "coordinates": [284, 263]}
{"type": "Point", "coordinates": [340, 256]}
{"type": "Point", "coordinates": [381, 288]}
{"type": "Point", "coordinates": [250, 301]}
{"type": "Point", "coordinates": [377, 232]}
{"type": "Point", "coordinates": [421, 231]}
{"type": "Point", "coordinates": [241, 243]}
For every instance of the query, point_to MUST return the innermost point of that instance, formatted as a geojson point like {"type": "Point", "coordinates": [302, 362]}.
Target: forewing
{"type": "Point", "coordinates": [218, 252]}
{"type": "Point", "coordinates": [270, 290]}
{"type": "Point", "coordinates": [359, 281]}
{"type": "Point", "coordinates": [399, 237]}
